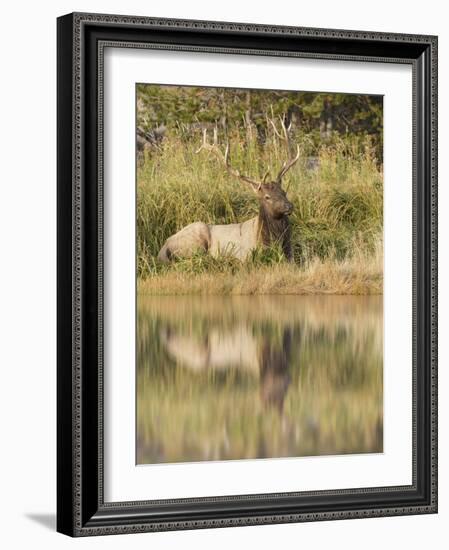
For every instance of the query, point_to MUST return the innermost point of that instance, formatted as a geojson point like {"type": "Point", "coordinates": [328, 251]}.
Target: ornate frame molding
{"type": "Point", "coordinates": [81, 510]}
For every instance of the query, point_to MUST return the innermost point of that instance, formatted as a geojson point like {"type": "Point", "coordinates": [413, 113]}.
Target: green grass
{"type": "Point", "coordinates": [337, 218]}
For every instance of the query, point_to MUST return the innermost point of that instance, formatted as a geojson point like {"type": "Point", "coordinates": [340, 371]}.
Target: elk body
{"type": "Point", "coordinates": [270, 226]}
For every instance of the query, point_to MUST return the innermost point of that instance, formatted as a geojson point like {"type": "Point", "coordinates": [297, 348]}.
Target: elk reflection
{"type": "Point", "coordinates": [274, 371]}
{"type": "Point", "coordinates": [262, 355]}
{"type": "Point", "coordinates": [248, 377]}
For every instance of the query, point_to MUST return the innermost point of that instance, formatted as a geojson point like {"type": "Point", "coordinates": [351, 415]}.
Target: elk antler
{"type": "Point", "coordinates": [291, 160]}
{"type": "Point", "coordinates": [287, 165]}
{"type": "Point", "coordinates": [225, 160]}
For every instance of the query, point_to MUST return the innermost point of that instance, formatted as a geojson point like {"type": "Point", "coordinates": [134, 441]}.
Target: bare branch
{"type": "Point", "coordinates": [285, 130]}
{"type": "Point", "coordinates": [286, 138]}
{"type": "Point", "coordinates": [270, 120]}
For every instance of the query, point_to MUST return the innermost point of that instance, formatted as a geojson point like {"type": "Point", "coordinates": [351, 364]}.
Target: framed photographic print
{"type": "Point", "coordinates": [247, 281]}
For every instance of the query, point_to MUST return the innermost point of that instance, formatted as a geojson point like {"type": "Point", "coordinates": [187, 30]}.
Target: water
{"type": "Point", "coordinates": [221, 378]}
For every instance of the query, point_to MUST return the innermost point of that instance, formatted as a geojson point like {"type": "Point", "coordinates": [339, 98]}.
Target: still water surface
{"type": "Point", "coordinates": [221, 378]}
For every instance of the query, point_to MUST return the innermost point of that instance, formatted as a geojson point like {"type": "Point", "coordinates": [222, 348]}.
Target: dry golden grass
{"type": "Point", "coordinates": [359, 274]}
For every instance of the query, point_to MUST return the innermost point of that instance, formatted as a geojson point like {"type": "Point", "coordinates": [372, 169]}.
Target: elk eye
{"type": "Point", "coordinates": [267, 197]}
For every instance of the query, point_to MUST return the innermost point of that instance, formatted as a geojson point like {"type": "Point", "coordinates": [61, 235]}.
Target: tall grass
{"type": "Point", "coordinates": [336, 222]}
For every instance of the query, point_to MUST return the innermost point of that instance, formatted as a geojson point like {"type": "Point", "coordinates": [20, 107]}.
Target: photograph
{"type": "Point", "coordinates": [247, 274]}
{"type": "Point", "coordinates": [259, 273]}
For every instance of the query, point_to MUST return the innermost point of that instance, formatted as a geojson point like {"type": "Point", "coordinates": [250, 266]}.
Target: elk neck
{"type": "Point", "coordinates": [273, 230]}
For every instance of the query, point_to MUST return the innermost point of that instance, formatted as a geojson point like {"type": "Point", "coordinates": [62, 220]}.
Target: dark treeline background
{"type": "Point", "coordinates": [322, 117]}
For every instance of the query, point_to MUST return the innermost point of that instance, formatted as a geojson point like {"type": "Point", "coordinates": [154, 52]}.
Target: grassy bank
{"type": "Point", "coordinates": [354, 275]}
{"type": "Point", "coordinates": [336, 223]}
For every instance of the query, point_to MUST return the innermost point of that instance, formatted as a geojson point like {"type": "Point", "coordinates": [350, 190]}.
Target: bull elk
{"type": "Point", "coordinates": [270, 226]}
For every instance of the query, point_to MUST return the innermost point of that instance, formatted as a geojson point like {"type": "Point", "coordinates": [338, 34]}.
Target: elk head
{"type": "Point", "coordinates": [272, 197]}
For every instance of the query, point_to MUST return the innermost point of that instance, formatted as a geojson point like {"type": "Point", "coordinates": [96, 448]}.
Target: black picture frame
{"type": "Point", "coordinates": [81, 509]}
